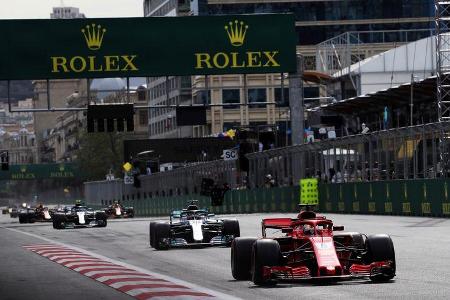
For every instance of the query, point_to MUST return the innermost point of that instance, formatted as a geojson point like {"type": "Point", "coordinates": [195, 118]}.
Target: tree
{"type": "Point", "coordinates": [99, 153]}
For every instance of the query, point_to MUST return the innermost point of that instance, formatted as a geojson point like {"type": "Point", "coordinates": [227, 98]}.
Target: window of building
{"type": "Point", "coordinates": [141, 93]}
{"type": "Point", "coordinates": [282, 100]}
{"type": "Point", "coordinates": [230, 125]}
{"type": "Point", "coordinates": [143, 117]}
{"type": "Point", "coordinates": [230, 96]}
{"type": "Point", "coordinates": [203, 97]}
{"type": "Point", "coordinates": [257, 95]}
{"type": "Point", "coordinates": [311, 92]}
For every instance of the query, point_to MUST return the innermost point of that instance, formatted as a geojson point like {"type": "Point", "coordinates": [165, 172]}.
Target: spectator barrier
{"type": "Point", "coordinates": [422, 197]}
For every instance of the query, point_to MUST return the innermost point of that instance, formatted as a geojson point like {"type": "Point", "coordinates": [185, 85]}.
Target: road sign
{"type": "Point", "coordinates": [127, 166]}
{"type": "Point", "coordinates": [230, 154]}
{"type": "Point", "coordinates": [127, 179]}
{"type": "Point", "coordinates": [309, 191]}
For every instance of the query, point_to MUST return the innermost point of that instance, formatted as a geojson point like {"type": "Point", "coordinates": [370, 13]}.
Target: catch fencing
{"type": "Point", "coordinates": [419, 197]}
{"type": "Point", "coordinates": [393, 156]}
{"type": "Point", "coordinates": [178, 182]}
{"type": "Point", "coordinates": [400, 153]}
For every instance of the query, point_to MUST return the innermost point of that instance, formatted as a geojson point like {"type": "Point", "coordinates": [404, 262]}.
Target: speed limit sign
{"type": "Point", "coordinates": [230, 154]}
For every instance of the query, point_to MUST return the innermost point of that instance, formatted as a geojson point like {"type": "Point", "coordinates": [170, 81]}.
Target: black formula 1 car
{"type": "Point", "coordinates": [117, 210]}
{"type": "Point", "coordinates": [13, 212]}
{"type": "Point", "coordinates": [31, 215]}
{"type": "Point", "coordinates": [310, 248]}
{"type": "Point", "coordinates": [79, 215]}
{"type": "Point", "coordinates": [193, 227]}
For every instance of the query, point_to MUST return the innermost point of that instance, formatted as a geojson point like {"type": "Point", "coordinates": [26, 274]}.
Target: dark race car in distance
{"type": "Point", "coordinates": [193, 227]}
{"type": "Point", "coordinates": [31, 215]}
{"type": "Point", "coordinates": [309, 248]}
{"type": "Point", "coordinates": [78, 215]}
{"type": "Point", "coordinates": [117, 210]}
{"type": "Point", "coordinates": [13, 212]}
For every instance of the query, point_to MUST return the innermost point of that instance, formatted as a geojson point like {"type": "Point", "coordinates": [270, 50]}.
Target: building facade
{"type": "Point", "coordinates": [66, 12]}
{"type": "Point", "coordinates": [316, 22]}
{"type": "Point", "coordinates": [53, 93]}
{"type": "Point", "coordinates": [170, 90]}
{"type": "Point", "coordinates": [17, 133]}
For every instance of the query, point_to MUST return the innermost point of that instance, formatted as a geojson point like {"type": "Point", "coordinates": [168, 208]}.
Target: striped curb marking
{"type": "Point", "coordinates": [131, 282]}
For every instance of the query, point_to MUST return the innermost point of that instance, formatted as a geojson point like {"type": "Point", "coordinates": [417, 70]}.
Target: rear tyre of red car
{"type": "Point", "coordinates": [381, 248]}
{"type": "Point", "coordinates": [231, 227]}
{"type": "Point", "coordinates": [266, 253]}
{"type": "Point", "coordinates": [162, 232]}
{"type": "Point", "coordinates": [241, 254]}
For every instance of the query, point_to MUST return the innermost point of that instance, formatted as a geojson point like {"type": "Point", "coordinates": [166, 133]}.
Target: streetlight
{"type": "Point", "coordinates": [286, 114]}
{"type": "Point", "coordinates": [147, 156]}
{"type": "Point", "coordinates": [411, 104]}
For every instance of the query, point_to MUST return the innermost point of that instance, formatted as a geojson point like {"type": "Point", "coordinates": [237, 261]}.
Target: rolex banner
{"type": "Point", "coordinates": [40, 171]}
{"type": "Point", "coordinates": [135, 47]}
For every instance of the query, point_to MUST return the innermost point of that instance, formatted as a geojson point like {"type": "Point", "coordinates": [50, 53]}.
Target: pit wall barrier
{"type": "Point", "coordinates": [425, 197]}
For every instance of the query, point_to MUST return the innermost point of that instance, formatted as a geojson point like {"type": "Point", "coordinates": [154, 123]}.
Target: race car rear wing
{"type": "Point", "coordinates": [278, 223]}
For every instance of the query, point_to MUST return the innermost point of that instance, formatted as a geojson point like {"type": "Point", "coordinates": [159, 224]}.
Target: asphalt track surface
{"type": "Point", "coordinates": [422, 250]}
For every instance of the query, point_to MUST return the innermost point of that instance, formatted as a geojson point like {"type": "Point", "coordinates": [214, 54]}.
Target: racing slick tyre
{"type": "Point", "coordinates": [102, 222]}
{"type": "Point", "coordinates": [161, 232]}
{"type": "Point", "coordinates": [151, 233]}
{"type": "Point", "coordinates": [241, 254]}
{"type": "Point", "coordinates": [58, 224]}
{"type": "Point", "coordinates": [23, 219]}
{"type": "Point", "coordinates": [231, 227]}
{"type": "Point", "coordinates": [266, 252]}
{"type": "Point", "coordinates": [381, 248]}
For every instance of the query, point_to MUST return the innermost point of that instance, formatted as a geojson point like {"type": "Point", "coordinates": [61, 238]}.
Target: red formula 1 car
{"type": "Point", "coordinates": [117, 210]}
{"type": "Point", "coordinates": [309, 248]}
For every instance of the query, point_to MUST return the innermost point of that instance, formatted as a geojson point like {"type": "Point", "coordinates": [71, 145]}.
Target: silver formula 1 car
{"type": "Point", "coordinates": [193, 227]}
{"type": "Point", "coordinates": [78, 215]}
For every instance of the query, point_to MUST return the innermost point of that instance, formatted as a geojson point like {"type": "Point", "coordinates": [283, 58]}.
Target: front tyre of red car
{"type": "Point", "coordinates": [266, 253]}
{"type": "Point", "coordinates": [381, 248]}
{"type": "Point", "coordinates": [241, 254]}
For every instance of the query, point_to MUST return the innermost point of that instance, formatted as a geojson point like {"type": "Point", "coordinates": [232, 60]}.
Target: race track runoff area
{"type": "Point", "coordinates": [40, 262]}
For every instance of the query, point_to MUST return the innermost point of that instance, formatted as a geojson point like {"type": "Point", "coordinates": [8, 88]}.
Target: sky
{"type": "Point", "coordinates": [41, 9]}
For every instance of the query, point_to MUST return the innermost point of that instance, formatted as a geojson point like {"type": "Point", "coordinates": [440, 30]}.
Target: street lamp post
{"type": "Point", "coordinates": [411, 103]}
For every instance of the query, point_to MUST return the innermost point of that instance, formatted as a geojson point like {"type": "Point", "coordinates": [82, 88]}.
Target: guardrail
{"type": "Point", "coordinates": [421, 197]}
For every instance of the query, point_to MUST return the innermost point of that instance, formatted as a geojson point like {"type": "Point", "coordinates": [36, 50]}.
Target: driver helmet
{"type": "Point", "coordinates": [308, 229]}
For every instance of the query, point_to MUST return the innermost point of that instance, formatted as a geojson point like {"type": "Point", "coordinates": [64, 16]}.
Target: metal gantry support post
{"type": "Point", "coordinates": [442, 23]}
{"type": "Point", "coordinates": [296, 105]}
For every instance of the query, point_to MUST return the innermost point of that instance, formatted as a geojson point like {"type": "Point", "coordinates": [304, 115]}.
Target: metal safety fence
{"type": "Point", "coordinates": [178, 182]}
{"type": "Point", "coordinates": [397, 154]}
{"type": "Point", "coordinates": [400, 153]}
{"type": "Point", "coordinates": [419, 197]}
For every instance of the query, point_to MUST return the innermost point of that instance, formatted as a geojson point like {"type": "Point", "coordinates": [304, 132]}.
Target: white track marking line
{"type": "Point", "coordinates": [66, 260]}
{"type": "Point", "coordinates": [137, 282]}
{"type": "Point", "coordinates": [92, 273]}
{"type": "Point", "coordinates": [89, 263]}
{"type": "Point", "coordinates": [112, 277]}
{"type": "Point", "coordinates": [193, 286]}
{"type": "Point", "coordinates": [59, 253]}
{"type": "Point", "coordinates": [68, 256]}
{"type": "Point", "coordinates": [103, 267]}
{"type": "Point", "coordinates": [138, 291]}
